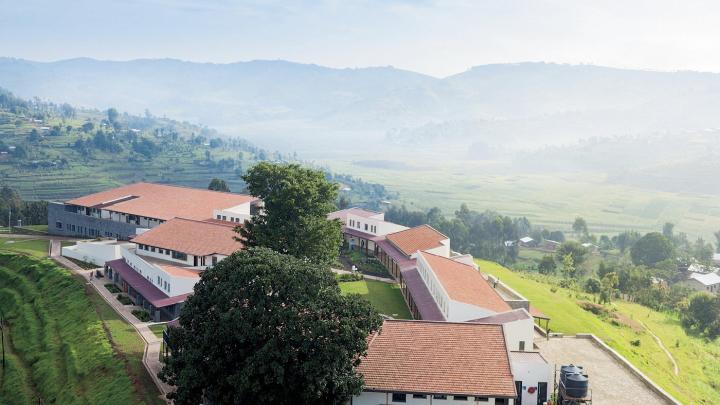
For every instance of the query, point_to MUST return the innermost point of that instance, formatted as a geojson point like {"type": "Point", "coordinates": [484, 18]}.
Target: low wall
{"type": "Point", "coordinates": [512, 297]}
{"type": "Point", "coordinates": [97, 252]}
{"type": "Point", "coordinates": [639, 374]}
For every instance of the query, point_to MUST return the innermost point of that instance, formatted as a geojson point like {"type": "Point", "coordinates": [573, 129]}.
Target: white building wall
{"type": "Point", "coordinates": [154, 274]}
{"type": "Point", "coordinates": [382, 398]}
{"type": "Point", "coordinates": [97, 252]}
{"type": "Point", "coordinates": [372, 226]}
{"type": "Point", "coordinates": [531, 374]}
{"type": "Point", "coordinates": [462, 312]}
{"type": "Point", "coordinates": [443, 250]}
{"type": "Point", "coordinates": [519, 331]}
{"type": "Point", "coordinates": [166, 255]}
{"type": "Point", "coordinates": [441, 297]}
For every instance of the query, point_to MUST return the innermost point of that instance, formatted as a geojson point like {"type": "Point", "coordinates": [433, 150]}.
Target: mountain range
{"type": "Point", "coordinates": [518, 105]}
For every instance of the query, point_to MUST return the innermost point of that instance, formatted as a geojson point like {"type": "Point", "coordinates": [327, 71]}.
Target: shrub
{"type": "Point", "coordinates": [124, 299]}
{"type": "Point", "coordinates": [341, 278]}
{"type": "Point", "coordinates": [635, 342]}
{"type": "Point", "coordinates": [142, 315]}
{"type": "Point", "coordinates": [112, 288]}
{"type": "Point", "coordinates": [553, 289]}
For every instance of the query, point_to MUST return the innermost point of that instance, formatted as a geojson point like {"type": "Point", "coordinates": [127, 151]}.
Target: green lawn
{"type": "Point", "coordinates": [66, 344]}
{"type": "Point", "coordinates": [158, 330]}
{"type": "Point", "coordinates": [33, 247]}
{"type": "Point", "coordinates": [699, 360]}
{"type": "Point", "coordinates": [386, 298]}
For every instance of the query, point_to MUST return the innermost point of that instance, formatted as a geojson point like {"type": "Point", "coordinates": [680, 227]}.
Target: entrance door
{"type": "Point", "coordinates": [518, 388]}
{"type": "Point", "coordinates": [542, 393]}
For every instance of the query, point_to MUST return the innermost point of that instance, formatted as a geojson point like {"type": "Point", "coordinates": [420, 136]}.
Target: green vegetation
{"type": "Point", "coordinates": [124, 299]}
{"type": "Point", "coordinates": [83, 265]}
{"type": "Point", "coordinates": [619, 325]}
{"type": "Point", "coordinates": [29, 246]}
{"type": "Point", "coordinates": [158, 329]}
{"type": "Point", "coordinates": [365, 265]}
{"type": "Point", "coordinates": [551, 200]}
{"type": "Point", "coordinates": [112, 288]}
{"type": "Point", "coordinates": [142, 315]}
{"type": "Point", "coordinates": [63, 345]}
{"type": "Point", "coordinates": [385, 297]}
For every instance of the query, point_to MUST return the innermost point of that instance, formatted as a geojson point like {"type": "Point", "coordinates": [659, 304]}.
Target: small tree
{"type": "Point", "coordinates": [592, 285]}
{"type": "Point", "coordinates": [568, 266]}
{"type": "Point", "coordinates": [266, 328]}
{"type": "Point", "coordinates": [547, 265]}
{"type": "Point", "coordinates": [650, 249]}
{"type": "Point", "coordinates": [609, 284]}
{"type": "Point", "coordinates": [573, 248]}
{"type": "Point", "coordinates": [218, 185]}
{"type": "Point", "coordinates": [580, 226]}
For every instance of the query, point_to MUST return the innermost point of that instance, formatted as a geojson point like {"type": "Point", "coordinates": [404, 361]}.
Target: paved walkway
{"type": "Point", "coordinates": [610, 381]}
{"type": "Point", "coordinates": [151, 357]}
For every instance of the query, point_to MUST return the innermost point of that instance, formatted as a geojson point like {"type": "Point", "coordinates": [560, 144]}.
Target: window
{"type": "Point", "coordinates": [522, 345]}
{"type": "Point", "coordinates": [398, 397]}
{"type": "Point", "coordinates": [161, 251]}
{"type": "Point", "coordinates": [419, 396]}
{"type": "Point", "coordinates": [58, 225]}
{"type": "Point", "coordinates": [232, 219]}
{"type": "Point", "coordinates": [159, 281]}
{"type": "Point", "coordinates": [500, 401]}
{"type": "Point", "coordinates": [460, 397]}
{"type": "Point", "coordinates": [439, 396]}
{"type": "Point", "coordinates": [152, 249]}
{"type": "Point", "coordinates": [224, 218]}
{"type": "Point", "coordinates": [179, 255]}
{"type": "Point", "coordinates": [366, 227]}
{"type": "Point", "coordinates": [214, 260]}
{"type": "Point", "coordinates": [219, 217]}
{"type": "Point", "coordinates": [482, 399]}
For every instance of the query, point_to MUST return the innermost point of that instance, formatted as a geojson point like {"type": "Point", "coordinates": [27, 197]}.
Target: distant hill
{"type": "Point", "coordinates": [517, 105]}
{"type": "Point", "coordinates": [56, 151]}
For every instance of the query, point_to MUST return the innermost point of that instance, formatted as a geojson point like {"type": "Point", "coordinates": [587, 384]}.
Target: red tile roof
{"type": "Point", "coordinates": [192, 237]}
{"type": "Point", "coordinates": [464, 283]}
{"type": "Point", "coordinates": [421, 237]}
{"type": "Point", "coordinates": [438, 358]}
{"type": "Point", "coordinates": [162, 201]}
{"type": "Point", "coordinates": [424, 302]}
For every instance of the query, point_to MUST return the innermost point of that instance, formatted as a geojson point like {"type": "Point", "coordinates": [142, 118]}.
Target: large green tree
{"type": "Point", "coordinates": [575, 249]}
{"type": "Point", "coordinates": [296, 201]}
{"type": "Point", "coordinates": [267, 328]}
{"type": "Point", "coordinates": [651, 249]}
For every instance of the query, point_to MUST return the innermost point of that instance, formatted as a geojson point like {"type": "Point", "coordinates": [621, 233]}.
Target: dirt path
{"type": "Point", "coordinates": [676, 369]}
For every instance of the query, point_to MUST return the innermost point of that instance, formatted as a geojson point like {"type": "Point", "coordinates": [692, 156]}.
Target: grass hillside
{"type": "Point", "coordinates": [698, 381]}
{"type": "Point", "coordinates": [62, 345]}
{"type": "Point", "coordinates": [55, 152]}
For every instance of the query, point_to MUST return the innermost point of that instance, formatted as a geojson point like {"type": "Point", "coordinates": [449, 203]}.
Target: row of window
{"type": "Point", "coordinates": [224, 218]}
{"type": "Point", "coordinates": [164, 284]}
{"type": "Point", "coordinates": [83, 230]}
{"type": "Point", "coordinates": [434, 289]}
{"type": "Point", "coordinates": [356, 224]}
{"type": "Point", "coordinates": [172, 253]}
{"type": "Point", "coordinates": [403, 398]}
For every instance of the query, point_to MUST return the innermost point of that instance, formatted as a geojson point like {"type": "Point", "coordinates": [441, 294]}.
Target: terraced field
{"type": "Point", "coordinates": [63, 347]}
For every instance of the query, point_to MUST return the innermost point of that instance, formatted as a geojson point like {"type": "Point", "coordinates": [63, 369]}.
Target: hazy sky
{"type": "Point", "coordinates": [434, 37]}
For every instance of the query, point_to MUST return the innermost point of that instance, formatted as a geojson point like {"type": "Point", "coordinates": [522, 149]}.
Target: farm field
{"type": "Point", "coordinates": [549, 200]}
{"type": "Point", "coordinates": [386, 298]}
{"type": "Point", "coordinates": [65, 344]}
{"type": "Point", "coordinates": [698, 360]}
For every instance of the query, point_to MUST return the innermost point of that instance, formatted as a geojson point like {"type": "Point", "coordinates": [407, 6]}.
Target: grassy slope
{"type": "Point", "coordinates": [59, 343]}
{"type": "Point", "coordinates": [698, 359]}
{"type": "Point", "coordinates": [386, 298]}
{"type": "Point", "coordinates": [33, 247]}
{"type": "Point", "coordinates": [550, 200]}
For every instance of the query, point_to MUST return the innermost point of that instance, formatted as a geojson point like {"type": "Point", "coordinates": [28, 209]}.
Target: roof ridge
{"type": "Point", "coordinates": [419, 321]}
{"type": "Point", "coordinates": [449, 259]}
{"type": "Point", "coordinates": [219, 223]}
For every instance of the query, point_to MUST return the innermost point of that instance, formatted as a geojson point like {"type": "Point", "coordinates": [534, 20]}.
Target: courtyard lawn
{"type": "Point", "coordinates": [698, 359]}
{"type": "Point", "coordinates": [158, 329]}
{"type": "Point", "coordinates": [29, 246]}
{"type": "Point", "coordinates": [385, 297]}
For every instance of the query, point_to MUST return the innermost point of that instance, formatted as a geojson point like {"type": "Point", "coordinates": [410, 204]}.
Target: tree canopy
{"type": "Point", "coordinates": [574, 249]}
{"type": "Point", "coordinates": [218, 185]}
{"type": "Point", "coordinates": [267, 328]}
{"type": "Point", "coordinates": [296, 201]}
{"type": "Point", "coordinates": [651, 249]}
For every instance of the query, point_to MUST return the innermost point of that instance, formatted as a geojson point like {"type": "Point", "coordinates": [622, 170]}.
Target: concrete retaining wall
{"type": "Point", "coordinates": [634, 370]}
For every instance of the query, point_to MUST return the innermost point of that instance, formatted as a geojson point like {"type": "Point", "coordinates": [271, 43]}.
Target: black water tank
{"type": "Point", "coordinates": [571, 369]}
{"type": "Point", "coordinates": [576, 385]}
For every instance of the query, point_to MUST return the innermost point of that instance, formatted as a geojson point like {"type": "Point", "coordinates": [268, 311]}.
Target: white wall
{"type": "Point", "coordinates": [175, 285]}
{"type": "Point", "coordinates": [443, 250]}
{"type": "Point", "coordinates": [517, 331]}
{"type": "Point", "coordinates": [530, 374]}
{"type": "Point", "coordinates": [462, 312]}
{"type": "Point", "coordinates": [165, 256]}
{"type": "Point", "coordinates": [237, 214]}
{"type": "Point", "coordinates": [97, 252]}
{"type": "Point", "coordinates": [381, 227]}
{"type": "Point", "coordinates": [441, 297]}
{"type": "Point", "coordinates": [379, 398]}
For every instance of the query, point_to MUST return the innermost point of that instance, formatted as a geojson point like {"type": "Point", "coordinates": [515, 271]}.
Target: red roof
{"type": "Point", "coordinates": [421, 237]}
{"type": "Point", "coordinates": [162, 201]}
{"type": "Point", "coordinates": [438, 358]}
{"type": "Point", "coordinates": [192, 237]}
{"type": "Point", "coordinates": [464, 283]}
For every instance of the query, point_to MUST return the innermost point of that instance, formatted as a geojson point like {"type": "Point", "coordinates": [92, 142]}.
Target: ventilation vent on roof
{"type": "Point", "coordinates": [116, 200]}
